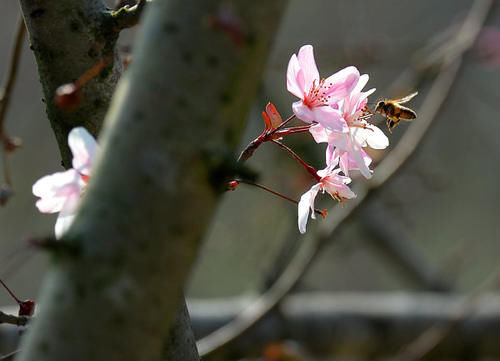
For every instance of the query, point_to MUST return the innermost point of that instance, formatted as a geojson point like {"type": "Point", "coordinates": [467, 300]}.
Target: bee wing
{"type": "Point", "coordinates": [405, 99]}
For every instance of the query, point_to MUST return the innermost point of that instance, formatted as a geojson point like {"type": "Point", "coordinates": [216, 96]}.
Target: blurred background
{"type": "Point", "coordinates": [427, 236]}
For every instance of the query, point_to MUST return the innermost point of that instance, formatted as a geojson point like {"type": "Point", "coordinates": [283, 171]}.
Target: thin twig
{"type": "Point", "coordinates": [310, 249]}
{"type": "Point", "coordinates": [309, 169]}
{"type": "Point", "coordinates": [6, 92]}
{"type": "Point", "coordinates": [12, 72]}
{"type": "Point", "coordinates": [267, 189]}
{"type": "Point", "coordinates": [436, 334]}
{"type": "Point", "coordinates": [13, 320]}
{"type": "Point", "coordinates": [9, 356]}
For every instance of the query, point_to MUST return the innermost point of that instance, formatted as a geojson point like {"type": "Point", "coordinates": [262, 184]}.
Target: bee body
{"type": "Point", "coordinates": [394, 111]}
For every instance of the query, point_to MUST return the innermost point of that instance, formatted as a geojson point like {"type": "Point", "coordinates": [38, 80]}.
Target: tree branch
{"type": "Point", "coordinates": [13, 320]}
{"type": "Point", "coordinates": [6, 90]}
{"type": "Point", "coordinates": [358, 325]}
{"type": "Point", "coordinates": [5, 95]}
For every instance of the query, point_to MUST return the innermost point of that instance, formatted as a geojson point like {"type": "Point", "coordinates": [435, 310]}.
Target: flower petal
{"type": "Point", "coordinates": [67, 214]}
{"type": "Point", "coordinates": [330, 118]}
{"type": "Point", "coordinates": [377, 139]}
{"type": "Point", "coordinates": [84, 148]}
{"type": "Point", "coordinates": [295, 82]}
{"type": "Point", "coordinates": [319, 133]}
{"type": "Point", "coordinates": [306, 204]}
{"type": "Point", "coordinates": [302, 112]}
{"type": "Point", "coordinates": [63, 223]}
{"type": "Point", "coordinates": [349, 76]}
{"type": "Point", "coordinates": [308, 65]}
{"type": "Point", "coordinates": [54, 189]}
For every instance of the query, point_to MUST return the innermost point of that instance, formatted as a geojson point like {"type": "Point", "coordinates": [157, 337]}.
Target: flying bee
{"type": "Point", "coordinates": [394, 111]}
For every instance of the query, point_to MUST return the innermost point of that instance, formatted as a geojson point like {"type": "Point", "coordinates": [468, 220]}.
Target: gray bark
{"type": "Point", "coordinates": [169, 136]}
{"type": "Point", "coordinates": [68, 37]}
{"type": "Point", "coordinates": [180, 343]}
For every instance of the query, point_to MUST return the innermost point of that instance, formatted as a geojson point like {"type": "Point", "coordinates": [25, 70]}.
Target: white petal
{"type": "Point", "coordinates": [306, 203]}
{"type": "Point", "coordinates": [63, 223]}
{"type": "Point", "coordinates": [349, 75]}
{"type": "Point", "coordinates": [66, 216]}
{"type": "Point", "coordinates": [363, 79]}
{"type": "Point", "coordinates": [330, 118]}
{"type": "Point", "coordinates": [308, 65]}
{"type": "Point", "coordinates": [376, 138]}
{"type": "Point", "coordinates": [319, 133]}
{"type": "Point", "coordinates": [84, 147]}
{"type": "Point", "coordinates": [303, 112]}
{"type": "Point", "coordinates": [54, 190]}
{"type": "Point", "coordinates": [332, 157]}
{"type": "Point", "coordinates": [295, 78]}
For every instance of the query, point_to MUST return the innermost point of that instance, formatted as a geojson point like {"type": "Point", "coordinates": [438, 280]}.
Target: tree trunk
{"type": "Point", "coordinates": [167, 149]}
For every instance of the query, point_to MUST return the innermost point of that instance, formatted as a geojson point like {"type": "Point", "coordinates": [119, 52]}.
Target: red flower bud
{"type": "Point", "coordinates": [67, 97]}
{"type": "Point", "coordinates": [232, 185]}
{"type": "Point", "coordinates": [26, 308]}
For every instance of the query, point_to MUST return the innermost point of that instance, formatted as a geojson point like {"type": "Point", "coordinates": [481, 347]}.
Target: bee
{"type": "Point", "coordinates": [394, 111]}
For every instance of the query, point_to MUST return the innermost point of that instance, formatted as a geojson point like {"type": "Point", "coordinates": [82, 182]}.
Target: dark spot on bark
{"type": "Point", "coordinates": [138, 116]}
{"type": "Point", "coordinates": [181, 102]}
{"type": "Point", "coordinates": [92, 53]}
{"type": "Point", "coordinates": [37, 13]}
{"type": "Point", "coordinates": [97, 103]}
{"type": "Point", "coordinates": [59, 297]}
{"type": "Point", "coordinates": [187, 56]}
{"type": "Point", "coordinates": [44, 346]}
{"type": "Point", "coordinates": [105, 72]}
{"type": "Point", "coordinates": [250, 39]}
{"type": "Point", "coordinates": [84, 18]}
{"type": "Point", "coordinates": [74, 26]}
{"type": "Point", "coordinates": [81, 291]}
{"type": "Point", "coordinates": [226, 97]}
{"type": "Point", "coordinates": [171, 28]}
{"type": "Point", "coordinates": [32, 47]}
{"type": "Point", "coordinates": [117, 261]}
{"type": "Point", "coordinates": [212, 61]}
{"type": "Point", "coordinates": [118, 319]}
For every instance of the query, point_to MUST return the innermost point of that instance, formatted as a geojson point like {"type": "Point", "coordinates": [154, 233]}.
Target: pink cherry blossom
{"type": "Point", "coordinates": [330, 182]}
{"type": "Point", "coordinates": [348, 146]}
{"type": "Point", "coordinates": [61, 192]}
{"type": "Point", "coordinates": [318, 96]}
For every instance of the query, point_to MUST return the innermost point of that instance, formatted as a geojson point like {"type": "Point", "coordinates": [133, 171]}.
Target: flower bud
{"type": "Point", "coordinates": [232, 185]}
{"type": "Point", "coordinates": [67, 97]}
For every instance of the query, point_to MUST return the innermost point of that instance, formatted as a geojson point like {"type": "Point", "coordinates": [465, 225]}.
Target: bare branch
{"type": "Point", "coordinates": [15, 57]}
{"type": "Point", "coordinates": [13, 320]}
{"type": "Point", "coordinates": [9, 356]}
{"type": "Point", "coordinates": [5, 95]}
{"type": "Point", "coordinates": [307, 253]}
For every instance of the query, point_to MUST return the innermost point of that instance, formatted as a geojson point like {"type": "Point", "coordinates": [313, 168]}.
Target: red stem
{"type": "Point", "coordinates": [288, 120]}
{"type": "Point", "coordinates": [310, 169]}
{"type": "Point", "coordinates": [275, 193]}
{"type": "Point", "coordinates": [292, 130]}
{"type": "Point", "coordinates": [10, 292]}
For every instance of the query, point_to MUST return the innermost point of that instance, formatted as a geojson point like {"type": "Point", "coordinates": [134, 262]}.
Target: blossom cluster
{"type": "Point", "coordinates": [61, 191]}
{"type": "Point", "coordinates": [336, 108]}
